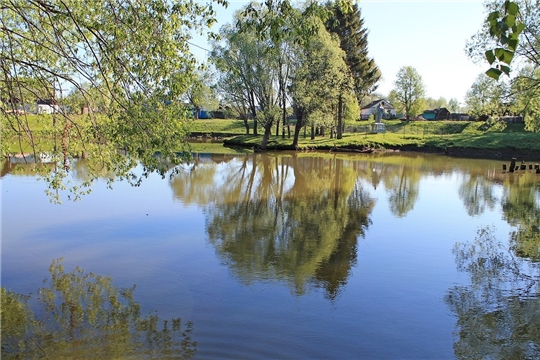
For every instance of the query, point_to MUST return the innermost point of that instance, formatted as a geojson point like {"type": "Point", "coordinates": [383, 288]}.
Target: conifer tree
{"type": "Point", "coordinates": [349, 26]}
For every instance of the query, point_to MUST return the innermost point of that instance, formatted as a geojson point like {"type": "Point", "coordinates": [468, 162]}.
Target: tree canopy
{"type": "Point", "coordinates": [409, 92]}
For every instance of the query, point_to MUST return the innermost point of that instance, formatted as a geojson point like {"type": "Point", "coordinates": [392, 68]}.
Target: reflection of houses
{"type": "Point", "coordinates": [436, 114]}
{"type": "Point", "coordinates": [371, 109]}
{"type": "Point", "coordinates": [48, 106]}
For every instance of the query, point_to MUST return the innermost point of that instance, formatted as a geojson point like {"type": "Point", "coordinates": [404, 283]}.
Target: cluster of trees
{"type": "Point", "coordinates": [313, 58]}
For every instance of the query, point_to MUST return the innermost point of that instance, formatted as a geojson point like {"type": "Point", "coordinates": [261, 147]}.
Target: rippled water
{"type": "Point", "coordinates": [281, 256]}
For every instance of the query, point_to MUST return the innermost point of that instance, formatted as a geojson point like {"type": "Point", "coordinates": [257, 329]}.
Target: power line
{"type": "Point", "coordinates": [200, 47]}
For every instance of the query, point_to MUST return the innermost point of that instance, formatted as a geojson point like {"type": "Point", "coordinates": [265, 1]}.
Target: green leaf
{"type": "Point", "coordinates": [512, 44]}
{"type": "Point", "coordinates": [508, 56]}
{"type": "Point", "coordinates": [501, 27]}
{"type": "Point", "coordinates": [505, 69]}
{"type": "Point", "coordinates": [518, 28]}
{"type": "Point", "coordinates": [509, 20]}
{"type": "Point", "coordinates": [504, 55]}
{"type": "Point", "coordinates": [494, 73]}
{"type": "Point", "coordinates": [493, 15]}
{"type": "Point", "coordinates": [499, 53]}
{"type": "Point", "coordinates": [490, 56]}
{"type": "Point", "coordinates": [511, 8]}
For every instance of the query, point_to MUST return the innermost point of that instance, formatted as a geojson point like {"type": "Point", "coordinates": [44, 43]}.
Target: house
{"type": "Point", "coordinates": [371, 109]}
{"type": "Point", "coordinates": [48, 106]}
{"type": "Point", "coordinates": [436, 114]}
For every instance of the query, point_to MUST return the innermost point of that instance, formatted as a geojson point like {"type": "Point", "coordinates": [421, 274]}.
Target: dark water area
{"type": "Point", "coordinates": [291, 256]}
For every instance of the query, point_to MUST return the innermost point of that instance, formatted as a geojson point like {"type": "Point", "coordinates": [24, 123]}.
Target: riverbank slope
{"type": "Point", "coordinates": [455, 138]}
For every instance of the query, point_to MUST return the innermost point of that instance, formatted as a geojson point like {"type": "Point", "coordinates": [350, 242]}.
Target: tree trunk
{"type": "Point", "coordinates": [266, 136]}
{"type": "Point", "coordinates": [340, 118]}
{"type": "Point", "coordinates": [246, 125]}
{"type": "Point", "coordinates": [312, 132]}
{"type": "Point", "coordinates": [297, 128]}
{"type": "Point", "coordinates": [253, 111]}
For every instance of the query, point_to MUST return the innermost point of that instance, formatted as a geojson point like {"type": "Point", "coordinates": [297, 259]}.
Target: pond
{"type": "Point", "coordinates": [281, 256]}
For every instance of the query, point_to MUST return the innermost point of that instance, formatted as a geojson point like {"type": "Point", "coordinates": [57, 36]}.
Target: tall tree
{"type": "Point", "coordinates": [249, 69]}
{"type": "Point", "coordinates": [409, 92]}
{"type": "Point", "coordinates": [348, 24]}
{"type": "Point", "coordinates": [320, 81]}
{"type": "Point", "coordinates": [432, 103]}
{"type": "Point", "coordinates": [486, 96]}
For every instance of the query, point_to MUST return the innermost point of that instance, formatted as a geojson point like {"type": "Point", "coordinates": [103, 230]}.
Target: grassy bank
{"type": "Point", "coordinates": [461, 138]}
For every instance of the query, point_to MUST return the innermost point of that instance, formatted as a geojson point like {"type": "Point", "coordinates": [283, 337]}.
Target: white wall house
{"type": "Point", "coordinates": [47, 107]}
{"type": "Point", "coordinates": [371, 108]}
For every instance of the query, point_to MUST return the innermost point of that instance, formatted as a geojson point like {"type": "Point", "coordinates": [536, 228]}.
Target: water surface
{"type": "Point", "coordinates": [285, 256]}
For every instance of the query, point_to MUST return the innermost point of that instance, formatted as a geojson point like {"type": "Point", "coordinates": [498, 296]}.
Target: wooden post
{"type": "Point", "coordinates": [523, 166]}
{"type": "Point", "coordinates": [504, 167]}
{"type": "Point", "coordinates": [513, 165]}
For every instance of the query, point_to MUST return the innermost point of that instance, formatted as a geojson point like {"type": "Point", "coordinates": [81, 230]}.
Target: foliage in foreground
{"type": "Point", "coordinates": [89, 48]}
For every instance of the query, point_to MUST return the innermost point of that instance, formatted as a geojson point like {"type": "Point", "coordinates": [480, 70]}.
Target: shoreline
{"type": "Point", "coordinates": [464, 152]}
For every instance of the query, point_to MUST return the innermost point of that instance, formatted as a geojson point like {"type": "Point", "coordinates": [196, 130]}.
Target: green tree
{"type": "Point", "coordinates": [477, 194]}
{"type": "Point", "coordinates": [453, 105]}
{"type": "Point", "coordinates": [201, 93]}
{"type": "Point", "coordinates": [92, 45]}
{"type": "Point", "coordinates": [348, 24]}
{"type": "Point", "coordinates": [486, 97]}
{"type": "Point", "coordinates": [403, 185]}
{"type": "Point", "coordinates": [248, 71]}
{"type": "Point", "coordinates": [319, 83]}
{"type": "Point", "coordinates": [292, 219]}
{"type": "Point", "coordinates": [431, 103]}
{"type": "Point", "coordinates": [527, 97]}
{"type": "Point", "coordinates": [408, 93]}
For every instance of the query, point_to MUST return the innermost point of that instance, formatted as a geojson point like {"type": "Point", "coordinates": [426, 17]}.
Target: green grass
{"type": "Point", "coordinates": [421, 135]}
{"type": "Point", "coordinates": [219, 126]}
{"type": "Point", "coordinates": [216, 148]}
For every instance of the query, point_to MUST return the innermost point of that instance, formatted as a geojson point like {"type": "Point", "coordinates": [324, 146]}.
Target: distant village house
{"type": "Point", "coordinates": [371, 109]}
{"type": "Point", "coordinates": [437, 114]}
{"type": "Point", "coordinates": [48, 106]}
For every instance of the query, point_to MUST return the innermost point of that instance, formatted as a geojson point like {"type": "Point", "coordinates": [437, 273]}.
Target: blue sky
{"type": "Point", "coordinates": [427, 35]}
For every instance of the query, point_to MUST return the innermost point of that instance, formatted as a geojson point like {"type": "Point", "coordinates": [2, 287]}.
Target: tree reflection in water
{"type": "Point", "coordinates": [498, 315]}
{"type": "Point", "coordinates": [83, 315]}
{"type": "Point", "coordinates": [283, 218]}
